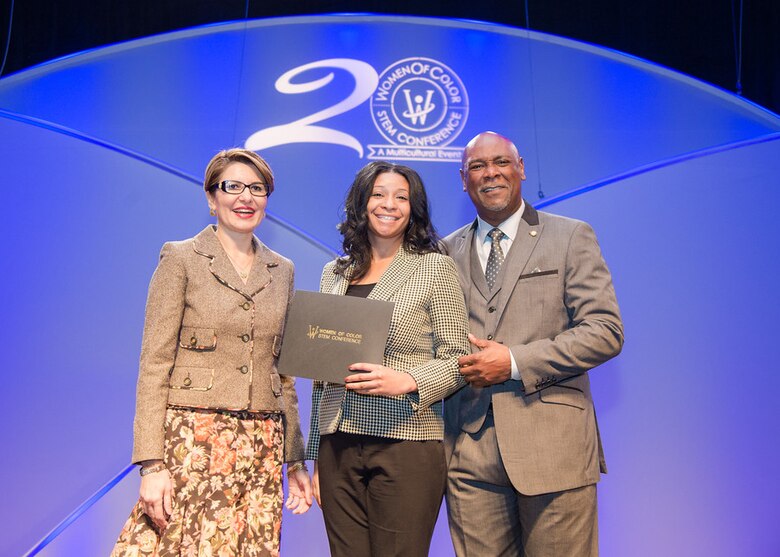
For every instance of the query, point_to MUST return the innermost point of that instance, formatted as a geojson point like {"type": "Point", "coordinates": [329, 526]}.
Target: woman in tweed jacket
{"type": "Point", "coordinates": [214, 420]}
{"type": "Point", "coordinates": [379, 472]}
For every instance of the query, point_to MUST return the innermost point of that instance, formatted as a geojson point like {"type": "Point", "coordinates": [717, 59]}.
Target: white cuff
{"type": "Point", "coordinates": [515, 371]}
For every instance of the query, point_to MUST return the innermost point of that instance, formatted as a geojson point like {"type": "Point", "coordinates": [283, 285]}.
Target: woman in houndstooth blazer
{"type": "Point", "coordinates": [380, 472]}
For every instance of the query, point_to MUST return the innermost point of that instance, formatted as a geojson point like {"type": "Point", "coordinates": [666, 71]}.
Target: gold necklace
{"type": "Point", "coordinates": [243, 272]}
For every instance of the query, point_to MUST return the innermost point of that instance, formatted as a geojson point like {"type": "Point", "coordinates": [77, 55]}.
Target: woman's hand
{"type": "Point", "coordinates": [156, 497]}
{"type": "Point", "coordinates": [299, 485]}
{"type": "Point", "coordinates": [315, 484]}
{"type": "Point", "coordinates": [379, 380]}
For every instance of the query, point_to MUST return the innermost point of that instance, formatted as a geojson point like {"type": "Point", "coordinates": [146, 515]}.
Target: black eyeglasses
{"type": "Point", "coordinates": [234, 187]}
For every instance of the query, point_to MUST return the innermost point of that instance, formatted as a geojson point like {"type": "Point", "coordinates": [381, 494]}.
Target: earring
{"type": "Point", "coordinates": [212, 212]}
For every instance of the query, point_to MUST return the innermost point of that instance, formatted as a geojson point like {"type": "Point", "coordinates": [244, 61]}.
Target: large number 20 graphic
{"type": "Point", "coordinates": [305, 130]}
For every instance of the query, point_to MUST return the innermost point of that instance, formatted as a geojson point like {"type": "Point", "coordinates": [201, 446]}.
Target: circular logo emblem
{"type": "Point", "coordinates": [419, 102]}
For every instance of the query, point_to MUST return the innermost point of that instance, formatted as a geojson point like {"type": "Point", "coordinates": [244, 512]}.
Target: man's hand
{"type": "Point", "coordinates": [491, 365]}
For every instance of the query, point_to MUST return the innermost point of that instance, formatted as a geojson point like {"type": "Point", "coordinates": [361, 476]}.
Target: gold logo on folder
{"type": "Point", "coordinates": [316, 332]}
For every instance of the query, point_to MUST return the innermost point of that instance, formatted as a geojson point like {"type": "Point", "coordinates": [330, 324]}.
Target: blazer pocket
{"type": "Point", "coordinates": [192, 378]}
{"type": "Point", "coordinates": [538, 274]}
{"type": "Point", "coordinates": [196, 338]}
{"type": "Point", "coordinates": [567, 396]}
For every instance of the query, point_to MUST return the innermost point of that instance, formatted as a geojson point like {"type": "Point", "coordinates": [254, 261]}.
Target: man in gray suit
{"type": "Point", "coordinates": [523, 444]}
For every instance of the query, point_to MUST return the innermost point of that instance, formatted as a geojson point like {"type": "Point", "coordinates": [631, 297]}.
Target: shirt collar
{"type": "Point", "coordinates": [508, 227]}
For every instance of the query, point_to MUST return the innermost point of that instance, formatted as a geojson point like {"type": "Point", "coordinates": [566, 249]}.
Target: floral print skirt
{"type": "Point", "coordinates": [226, 469]}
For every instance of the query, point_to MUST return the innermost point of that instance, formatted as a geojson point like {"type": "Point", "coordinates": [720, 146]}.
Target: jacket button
{"type": "Point", "coordinates": [193, 341]}
{"type": "Point", "coordinates": [187, 381]}
{"type": "Point", "coordinates": [246, 305]}
{"type": "Point", "coordinates": [490, 337]}
{"type": "Point", "coordinates": [491, 309]}
{"type": "Point", "coordinates": [244, 369]}
{"type": "Point", "coordinates": [245, 337]}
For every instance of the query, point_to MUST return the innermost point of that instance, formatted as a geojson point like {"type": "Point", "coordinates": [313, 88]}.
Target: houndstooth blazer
{"type": "Point", "coordinates": [428, 332]}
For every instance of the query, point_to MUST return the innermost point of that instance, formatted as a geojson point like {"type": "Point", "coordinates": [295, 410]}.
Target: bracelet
{"type": "Point", "coordinates": [159, 467]}
{"type": "Point", "coordinates": [295, 466]}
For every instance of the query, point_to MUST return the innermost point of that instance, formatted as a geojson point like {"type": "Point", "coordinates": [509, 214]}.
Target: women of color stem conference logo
{"type": "Point", "coordinates": [419, 105]}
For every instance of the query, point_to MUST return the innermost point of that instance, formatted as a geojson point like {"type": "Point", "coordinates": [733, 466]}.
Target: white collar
{"type": "Point", "coordinates": [508, 227]}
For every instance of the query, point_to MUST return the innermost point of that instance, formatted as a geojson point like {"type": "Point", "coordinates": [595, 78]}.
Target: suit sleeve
{"type": "Point", "coordinates": [293, 438]}
{"type": "Point", "coordinates": [164, 311]}
{"type": "Point", "coordinates": [595, 331]}
{"type": "Point", "coordinates": [440, 377]}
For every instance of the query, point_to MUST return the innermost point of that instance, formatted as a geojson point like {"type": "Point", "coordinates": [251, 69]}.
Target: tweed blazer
{"type": "Point", "coordinates": [211, 341]}
{"type": "Point", "coordinates": [428, 332]}
{"type": "Point", "coordinates": [554, 306]}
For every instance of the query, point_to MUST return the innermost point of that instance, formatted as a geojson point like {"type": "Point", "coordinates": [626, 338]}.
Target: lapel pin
{"type": "Point", "coordinates": [533, 233]}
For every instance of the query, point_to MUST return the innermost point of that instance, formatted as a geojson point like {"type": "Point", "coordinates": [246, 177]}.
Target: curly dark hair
{"type": "Point", "coordinates": [419, 237]}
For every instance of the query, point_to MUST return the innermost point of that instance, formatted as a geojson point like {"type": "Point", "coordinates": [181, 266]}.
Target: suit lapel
{"type": "Point", "coordinates": [463, 255]}
{"type": "Point", "coordinates": [207, 244]}
{"type": "Point", "coordinates": [341, 283]}
{"type": "Point", "coordinates": [472, 401]}
{"type": "Point", "coordinates": [395, 276]}
{"type": "Point", "coordinates": [529, 231]}
{"type": "Point", "coordinates": [261, 274]}
{"type": "Point", "coordinates": [403, 265]}
{"type": "Point", "coordinates": [478, 274]}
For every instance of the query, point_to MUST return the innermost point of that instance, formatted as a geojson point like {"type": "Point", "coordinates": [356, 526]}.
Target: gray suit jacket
{"type": "Point", "coordinates": [211, 341]}
{"type": "Point", "coordinates": [554, 306]}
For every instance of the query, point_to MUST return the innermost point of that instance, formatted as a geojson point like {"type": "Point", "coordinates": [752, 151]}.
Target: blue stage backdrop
{"type": "Point", "coordinates": [102, 153]}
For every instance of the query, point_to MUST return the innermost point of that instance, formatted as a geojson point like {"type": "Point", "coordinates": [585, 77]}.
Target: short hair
{"type": "Point", "coordinates": [221, 160]}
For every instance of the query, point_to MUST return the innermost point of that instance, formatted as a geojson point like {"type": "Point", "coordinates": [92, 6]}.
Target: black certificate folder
{"type": "Point", "coordinates": [326, 333]}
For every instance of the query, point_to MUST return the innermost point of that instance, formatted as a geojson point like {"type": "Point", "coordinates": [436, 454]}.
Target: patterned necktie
{"type": "Point", "coordinates": [496, 257]}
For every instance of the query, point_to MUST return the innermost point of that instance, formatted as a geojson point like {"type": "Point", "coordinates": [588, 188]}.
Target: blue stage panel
{"type": "Point", "coordinates": [687, 412]}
